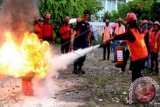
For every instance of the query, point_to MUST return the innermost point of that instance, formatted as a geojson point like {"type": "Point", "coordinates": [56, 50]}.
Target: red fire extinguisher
{"type": "Point", "coordinates": [119, 57]}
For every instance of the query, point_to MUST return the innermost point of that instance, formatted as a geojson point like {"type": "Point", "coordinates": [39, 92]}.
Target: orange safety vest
{"type": "Point", "coordinates": [119, 29]}
{"type": "Point", "coordinates": [107, 34]}
{"type": "Point", "coordinates": [138, 49]}
{"type": "Point", "coordinates": [154, 38]}
{"type": "Point", "coordinates": [150, 31]}
{"type": "Point", "coordinates": [144, 33]}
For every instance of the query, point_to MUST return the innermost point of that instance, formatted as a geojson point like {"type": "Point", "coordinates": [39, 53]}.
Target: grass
{"type": "Point", "coordinates": [98, 80]}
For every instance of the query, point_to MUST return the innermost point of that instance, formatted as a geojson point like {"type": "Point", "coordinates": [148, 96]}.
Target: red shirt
{"type": "Point", "coordinates": [38, 30]}
{"type": "Point", "coordinates": [47, 30]}
{"type": "Point", "coordinates": [65, 32]}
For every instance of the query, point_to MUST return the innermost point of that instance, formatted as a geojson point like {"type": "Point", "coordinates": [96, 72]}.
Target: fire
{"type": "Point", "coordinates": [31, 57]}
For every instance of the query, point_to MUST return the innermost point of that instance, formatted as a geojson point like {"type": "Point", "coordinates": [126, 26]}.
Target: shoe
{"type": "Point", "coordinates": [75, 72]}
{"type": "Point", "coordinates": [120, 72]}
{"type": "Point", "coordinates": [82, 72]}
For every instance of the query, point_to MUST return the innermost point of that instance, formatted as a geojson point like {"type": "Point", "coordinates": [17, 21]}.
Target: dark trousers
{"type": "Point", "coordinates": [80, 44]}
{"type": "Point", "coordinates": [138, 66]}
{"type": "Point", "coordinates": [48, 39]}
{"type": "Point", "coordinates": [125, 57]}
{"type": "Point", "coordinates": [65, 45]}
{"type": "Point", "coordinates": [131, 65]}
{"type": "Point", "coordinates": [107, 46]}
{"type": "Point", "coordinates": [79, 63]}
{"type": "Point", "coordinates": [154, 58]}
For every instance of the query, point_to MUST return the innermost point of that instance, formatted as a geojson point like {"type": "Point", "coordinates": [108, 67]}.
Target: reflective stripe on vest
{"type": "Point", "coordinates": [154, 41]}
{"type": "Point", "coordinates": [138, 49]}
{"type": "Point", "coordinates": [106, 33]}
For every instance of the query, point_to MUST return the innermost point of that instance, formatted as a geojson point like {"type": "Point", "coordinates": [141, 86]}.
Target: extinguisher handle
{"type": "Point", "coordinates": [101, 45]}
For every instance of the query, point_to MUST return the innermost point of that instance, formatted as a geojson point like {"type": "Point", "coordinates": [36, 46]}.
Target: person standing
{"type": "Point", "coordinates": [120, 28]}
{"type": "Point", "coordinates": [47, 30]}
{"type": "Point", "coordinates": [136, 44]}
{"type": "Point", "coordinates": [38, 28]}
{"type": "Point", "coordinates": [65, 32]}
{"type": "Point", "coordinates": [81, 39]}
{"type": "Point", "coordinates": [107, 34]}
{"type": "Point", "coordinates": [154, 46]}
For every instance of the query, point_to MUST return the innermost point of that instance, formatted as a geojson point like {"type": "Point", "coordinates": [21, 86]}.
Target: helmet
{"type": "Point", "coordinates": [145, 22]}
{"type": "Point", "coordinates": [131, 17]}
{"type": "Point", "coordinates": [107, 20]}
{"type": "Point", "coordinates": [150, 22]}
{"type": "Point", "coordinates": [48, 16]}
{"type": "Point", "coordinates": [40, 19]}
{"type": "Point", "coordinates": [66, 18]}
{"type": "Point", "coordinates": [119, 20]}
{"type": "Point", "coordinates": [156, 23]}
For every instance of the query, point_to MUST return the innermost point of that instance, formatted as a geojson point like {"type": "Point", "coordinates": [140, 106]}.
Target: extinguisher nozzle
{"type": "Point", "coordinates": [101, 45]}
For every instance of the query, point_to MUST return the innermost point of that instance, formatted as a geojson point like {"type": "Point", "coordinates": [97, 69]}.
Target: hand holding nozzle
{"type": "Point", "coordinates": [105, 42]}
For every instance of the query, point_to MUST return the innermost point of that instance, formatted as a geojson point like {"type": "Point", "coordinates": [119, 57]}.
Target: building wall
{"type": "Point", "coordinates": [109, 5]}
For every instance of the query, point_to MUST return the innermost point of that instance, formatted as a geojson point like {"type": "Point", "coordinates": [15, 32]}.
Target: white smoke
{"type": "Point", "coordinates": [17, 16]}
{"type": "Point", "coordinates": [46, 86]}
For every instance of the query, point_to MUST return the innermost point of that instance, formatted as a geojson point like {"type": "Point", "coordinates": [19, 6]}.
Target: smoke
{"type": "Point", "coordinates": [17, 16]}
{"type": "Point", "coordinates": [48, 86]}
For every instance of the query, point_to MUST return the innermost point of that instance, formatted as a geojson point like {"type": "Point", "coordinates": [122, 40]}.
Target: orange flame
{"type": "Point", "coordinates": [31, 56]}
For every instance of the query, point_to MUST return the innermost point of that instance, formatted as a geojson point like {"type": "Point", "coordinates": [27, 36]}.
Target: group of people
{"type": "Point", "coordinates": [44, 29]}
{"type": "Point", "coordinates": [140, 41]}
{"type": "Point", "coordinates": [72, 38]}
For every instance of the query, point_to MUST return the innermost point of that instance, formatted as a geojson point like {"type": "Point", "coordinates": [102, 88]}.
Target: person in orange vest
{"type": "Point", "coordinates": [120, 28]}
{"type": "Point", "coordinates": [107, 34]}
{"type": "Point", "coordinates": [65, 32]}
{"type": "Point", "coordinates": [38, 28]}
{"type": "Point", "coordinates": [154, 46]}
{"type": "Point", "coordinates": [150, 25]}
{"type": "Point", "coordinates": [146, 31]}
{"type": "Point", "coordinates": [47, 30]}
{"type": "Point", "coordinates": [144, 25]}
{"type": "Point", "coordinates": [136, 44]}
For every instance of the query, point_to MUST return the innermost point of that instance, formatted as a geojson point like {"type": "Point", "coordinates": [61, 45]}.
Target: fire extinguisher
{"type": "Point", "coordinates": [119, 57]}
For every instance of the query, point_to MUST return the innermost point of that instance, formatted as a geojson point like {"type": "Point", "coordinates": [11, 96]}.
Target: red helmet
{"type": "Point", "coordinates": [107, 20]}
{"type": "Point", "coordinates": [48, 16]}
{"type": "Point", "coordinates": [145, 22]}
{"type": "Point", "coordinates": [66, 18]}
{"type": "Point", "coordinates": [131, 17]}
{"type": "Point", "coordinates": [156, 23]}
{"type": "Point", "coordinates": [119, 20]}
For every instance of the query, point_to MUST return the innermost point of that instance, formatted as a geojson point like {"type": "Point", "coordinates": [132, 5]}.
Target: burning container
{"type": "Point", "coordinates": [27, 86]}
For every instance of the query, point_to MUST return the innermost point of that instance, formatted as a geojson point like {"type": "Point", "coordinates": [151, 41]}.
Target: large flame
{"type": "Point", "coordinates": [31, 57]}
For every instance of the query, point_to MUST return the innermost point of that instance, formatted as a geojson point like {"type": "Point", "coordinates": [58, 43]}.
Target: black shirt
{"type": "Point", "coordinates": [84, 28]}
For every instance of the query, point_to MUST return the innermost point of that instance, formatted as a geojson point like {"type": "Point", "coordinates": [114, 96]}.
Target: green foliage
{"type": "Point", "coordinates": [155, 10]}
{"type": "Point", "coordinates": [144, 9]}
{"type": "Point", "coordinates": [73, 8]}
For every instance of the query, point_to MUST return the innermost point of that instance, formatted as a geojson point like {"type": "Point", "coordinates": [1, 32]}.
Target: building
{"type": "Point", "coordinates": [109, 5]}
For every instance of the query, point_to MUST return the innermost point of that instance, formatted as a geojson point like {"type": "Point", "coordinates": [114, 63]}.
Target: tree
{"type": "Point", "coordinates": [154, 10]}
{"type": "Point", "coordinates": [142, 8]}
